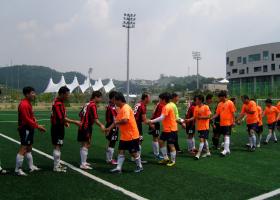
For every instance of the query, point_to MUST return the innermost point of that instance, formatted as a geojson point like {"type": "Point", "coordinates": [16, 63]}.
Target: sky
{"type": "Point", "coordinates": [73, 35]}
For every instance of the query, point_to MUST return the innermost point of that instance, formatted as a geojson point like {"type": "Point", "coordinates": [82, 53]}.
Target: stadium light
{"type": "Point", "coordinates": [197, 57]}
{"type": "Point", "coordinates": [128, 23]}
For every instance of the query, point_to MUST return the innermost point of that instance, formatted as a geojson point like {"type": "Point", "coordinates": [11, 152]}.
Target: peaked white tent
{"type": "Point", "coordinates": [97, 85]}
{"type": "Point", "coordinates": [86, 85]}
{"type": "Point", "coordinates": [61, 82]}
{"type": "Point", "coordinates": [72, 86]}
{"type": "Point", "coordinates": [110, 86]}
{"type": "Point", "coordinates": [224, 81]}
{"type": "Point", "coordinates": [51, 88]}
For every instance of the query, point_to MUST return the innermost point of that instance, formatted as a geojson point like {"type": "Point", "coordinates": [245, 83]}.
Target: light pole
{"type": "Point", "coordinates": [197, 57]}
{"type": "Point", "coordinates": [128, 23]}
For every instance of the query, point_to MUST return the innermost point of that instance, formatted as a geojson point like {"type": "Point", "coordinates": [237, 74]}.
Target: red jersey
{"type": "Point", "coordinates": [58, 112]}
{"type": "Point", "coordinates": [26, 115]}
{"type": "Point", "coordinates": [158, 110]}
{"type": "Point", "coordinates": [189, 114]}
{"type": "Point", "coordinates": [139, 110]}
{"type": "Point", "coordinates": [88, 114]}
{"type": "Point", "coordinates": [111, 113]}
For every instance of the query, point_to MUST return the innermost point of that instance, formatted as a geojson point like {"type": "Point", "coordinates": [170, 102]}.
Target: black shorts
{"type": "Point", "coordinates": [252, 127]}
{"type": "Point", "coordinates": [272, 126]}
{"type": "Point", "coordinates": [190, 130]}
{"type": "Point", "coordinates": [170, 137]}
{"type": "Point", "coordinates": [204, 134]}
{"type": "Point", "coordinates": [57, 134]}
{"type": "Point", "coordinates": [84, 135]}
{"type": "Point", "coordinates": [260, 129]}
{"type": "Point", "coordinates": [132, 146]}
{"type": "Point", "coordinates": [113, 135]}
{"type": "Point", "coordinates": [225, 130]}
{"type": "Point", "coordinates": [155, 132]}
{"type": "Point", "coordinates": [26, 135]}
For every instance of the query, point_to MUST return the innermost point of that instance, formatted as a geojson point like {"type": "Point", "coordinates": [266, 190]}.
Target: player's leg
{"type": "Point", "coordinates": [121, 157]}
{"type": "Point", "coordinates": [57, 136]}
{"type": "Point", "coordinates": [163, 148]}
{"type": "Point", "coordinates": [2, 171]}
{"type": "Point", "coordinates": [274, 132]}
{"type": "Point", "coordinates": [173, 152]}
{"type": "Point", "coordinates": [260, 131]}
{"type": "Point", "coordinates": [252, 139]}
{"type": "Point", "coordinates": [201, 145]}
{"type": "Point", "coordinates": [206, 145]}
{"type": "Point", "coordinates": [134, 153]}
{"type": "Point", "coordinates": [155, 145]}
{"type": "Point", "coordinates": [84, 154]}
{"type": "Point", "coordinates": [112, 139]}
{"type": "Point", "coordinates": [19, 160]}
{"type": "Point", "coordinates": [29, 158]}
{"type": "Point", "coordinates": [269, 135]}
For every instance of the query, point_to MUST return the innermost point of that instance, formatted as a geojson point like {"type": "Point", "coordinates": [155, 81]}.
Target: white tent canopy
{"type": "Point", "coordinates": [224, 81]}
{"type": "Point", "coordinates": [98, 85]}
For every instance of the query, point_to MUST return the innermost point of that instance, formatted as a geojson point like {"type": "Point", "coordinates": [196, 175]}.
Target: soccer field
{"type": "Point", "coordinates": [242, 175]}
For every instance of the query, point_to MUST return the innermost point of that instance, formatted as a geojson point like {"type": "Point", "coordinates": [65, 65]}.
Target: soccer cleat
{"type": "Point", "coordinates": [85, 167]}
{"type": "Point", "coordinates": [252, 149]}
{"type": "Point", "coordinates": [144, 161]}
{"type": "Point", "coordinates": [265, 142]}
{"type": "Point", "coordinates": [258, 145]}
{"type": "Point", "coordinates": [116, 171]}
{"type": "Point", "coordinates": [19, 172]}
{"type": "Point", "coordinates": [275, 141]}
{"type": "Point", "coordinates": [138, 169]}
{"type": "Point", "coordinates": [206, 155]}
{"type": "Point", "coordinates": [3, 172]}
{"type": "Point", "coordinates": [197, 157]}
{"type": "Point", "coordinates": [158, 157]}
{"type": "Point", "coordinates": [114, 162]}
{"type": "Point", "coordinates": [224, 153]}
{"type": "Point", "coordinates": [60, 168]}
{"type": "Point", "coordinates": [248, 145]}
{"type": "Point", "coordinates": [163, 161]}
{"type": "Point", "coordinates": [88, 164]}
{"type": "Point", "coordinates": [171, 164]}
{"type": "Point", "coordinates": [34, 168]}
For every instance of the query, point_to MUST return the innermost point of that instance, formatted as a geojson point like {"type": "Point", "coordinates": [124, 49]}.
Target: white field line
{"type": "Point", "coordinates": [38, 120]}
{"type": "Point", "coordinates": [95, 178]}
{"type": "Point", "coordinates": [267, 195]}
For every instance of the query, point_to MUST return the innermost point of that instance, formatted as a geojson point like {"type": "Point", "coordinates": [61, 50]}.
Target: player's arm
{"type": "Point", "coordinates": [144, 119]}
{"type": "Point", "coordinates": [31, 122]}
{"type": "Point", "coordinates": [204, 117]}
{"type": "Point", "coordinates": [156, 120]}
{"type": "Point", "coordinates": [240, 117]}
{"type": "Point", "coordinates": [100, 124]}
{"type": "Point", "coordinates": [190, 119]}
{"type": "Point", "coordinates": [71, 121]}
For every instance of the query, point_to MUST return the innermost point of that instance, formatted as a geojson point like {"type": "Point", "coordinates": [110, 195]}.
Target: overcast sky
{"type": "Point", "coordinates": [72, 35]}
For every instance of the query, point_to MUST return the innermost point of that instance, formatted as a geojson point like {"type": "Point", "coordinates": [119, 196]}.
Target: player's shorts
{"type": "Point", "coordinates": [113, 135]}
{"type": "Point", "coordinates": [84, 135]}
{"type": "Point", "coordinates": [170, 137]}
{"type": "Point", "coordinates": [260, 129]}
{"type": "Point", "coordinates": [190, 130]}
{"type": "Point", "coordinates": [253, 126]}
{"type": "Point", "coordinates": [272, 126]}
{"type": "Point", "coordinates": [26, 135]}
{"type": "Point", "coordinates": [204, 134]}
{"type": "Point", "coordinates": [132, 146]}
{"type": "Point", "coordinates": [57, 134]}
{"type": "Point", "coordinates": [155, 132]}
{"type": "Point", "coordinates": [225, 130]}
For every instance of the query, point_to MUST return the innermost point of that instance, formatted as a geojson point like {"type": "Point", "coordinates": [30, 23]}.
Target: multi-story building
{"type": "Point", "coordinates": [254, 71]}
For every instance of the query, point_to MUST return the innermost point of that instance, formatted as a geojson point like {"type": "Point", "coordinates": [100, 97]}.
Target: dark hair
{"type": "Point", "coordinates": [27, 90]}
{"type": "Point", "coordinates": [268, 101]}
{"type": "Point", "coordinates": [222, 93]}
{"type": "Point", "coordinates": [63, 90]}
{"type": "Point", "coordinates": [233, 99]}
{"type": "Point", "coordinates": [200, 97]}
{"type": "Point", "coordinates": [144, 96]}
{"type": "Point", "coordinates": [119, 97]}
{"type": "Point", "coordinates": [209, 96]}
{"type": "Point", "coordinates": [245, 97]}
{"type": "Point", "coordinates": [112, 94]}
{"type": "Point", "coordinates": [165, 96]}
{"type": "Point", "coordinates": [96, 94]}
{"type": "Point", "coordinates": [174, 95]}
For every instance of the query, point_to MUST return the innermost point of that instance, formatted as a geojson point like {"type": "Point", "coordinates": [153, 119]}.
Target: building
{"type": "Point", "coordinates": [213, 87]}
{"type": "Point", "coordinates": [254, 70]}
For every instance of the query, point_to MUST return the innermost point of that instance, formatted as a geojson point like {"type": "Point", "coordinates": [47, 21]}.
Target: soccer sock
{"type": "Point", "coordinates": [138, 162]}
{"type": "Point", "coordinates": [268, 136]}
{"type": "Point", "coordinates": [254, 140]}
{"type": "Point", "coordinates": [83, 154]}
{"type": "Point", "coordinates": [251, 141]}
{"type": "Point", "coordinates": [260, 139]}
{"type": "Point", "coordinates": [201, 145]}
{"type": "Point", "coordinates": [227, 143]}
{"type": "Point", "coordinates": [206, 146]}
{"type": "Point", "coordinates": [121, 159]}
{"type": "Point", "coordinates": [156, 148]}
{"type": "Point", "coordinates": [190, 144]}
{"type": "Point", "coordinates": [193, 143]}
{"type": "Point", "coordinates": [56, 157]}
{"type": "Point", "coordinates": [109, 154]}
{"type": "Point", "coordinates": [164, 152]}
{"type": "Point", "coordinates": [173, 156]}
{"type": "Point", "coordinates": [29, 158]}
{"type": "Point", "coordinates": [275, 137]}
{"type": "Point", "coordinates": [19, 161]}
{"type": "Point", "coordinates": [140, 150]}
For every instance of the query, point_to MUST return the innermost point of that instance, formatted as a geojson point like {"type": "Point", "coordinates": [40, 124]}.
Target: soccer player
{"type": "Point", "coordinates": [169, 131]}
{"type": "Point", "coordinates": [155, 130]}
{"type": "Point", "coordinates": [112, 136]}
{"type": "Point", "coordinates": [140, 114]}
{"type": "Point", "coordinates": [225, 110]}
{"type": "Point", "coordinates": [202, 117]}
{"type": "Point", "coordinates": [278, 122]}
{"type": "Point", "coordinates": [129, 134]}
{"type": "Point", "coordinates": [26, 126]}
{"type": "Point", "coordinates": [249, 109]}
{"type": "Point", "coordinates": [190, 129]}
{"type": "Point", "coordinates": [88, 116]}
{"type": "Point", "coordinates": [272, 116]}
{"type": "Point", "coordinates": [260, 125]}
{"type": "Point", "coordinates": [59, 120]}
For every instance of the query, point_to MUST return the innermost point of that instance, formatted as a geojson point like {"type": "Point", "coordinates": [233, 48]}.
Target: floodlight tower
{"type": "Point", "coordinates": [89, 73]}
{"type": "Point", "coordinates": [197, 57]}
{"type": "Point", "coordinates": [128, 23]}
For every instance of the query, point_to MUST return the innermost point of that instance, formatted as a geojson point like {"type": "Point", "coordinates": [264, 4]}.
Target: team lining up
{"type": "Point", "coordinates": [123, 121]}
